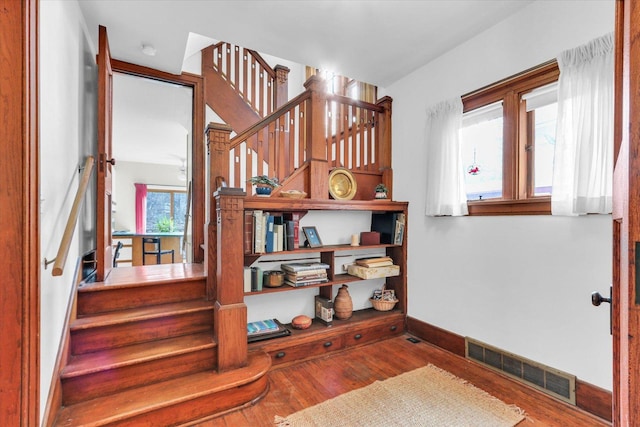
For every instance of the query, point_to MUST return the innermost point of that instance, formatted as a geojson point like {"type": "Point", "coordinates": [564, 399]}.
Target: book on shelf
{"type": "Point", "coordinates": [297, 277]}
{"type": "Point", "coordinates": [399, 229]}
{"type": "Point", "coordinates": [302, 266]}
{"type": "Point", "coordinates": [247, 279]}
{"type": "Point", "coordinates": [256, 279]}
{"type": "Point", "coordinates": [264, 330]}
{"type": "Point", "coordinates": [290, 231]}
{"type": "Point", "coordinates": [302, 283]}
{"type": "Point", "coordinates": [270, 234]}
{"type": "Point", "coordinates": [390, 225]}
{"type": "Point", "coordinates": [259, 232]}
{"type": "Point", "coordinates": [375, 262]}
{"type": "Point", "coordinates": [262, 326]}
{"type": "Point", "coordinates": [278, 230]}
{"type": "Point", "coordinates": [373, 272]}
{"type": "Point", "coordinates": [248, 232]}
{"type": "Point", "coordinates": [304, 273]}
{"type": "Point", "coordinates": [294, 218]}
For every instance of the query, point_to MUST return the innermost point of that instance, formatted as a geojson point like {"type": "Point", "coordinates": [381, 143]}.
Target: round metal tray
{"type": "Point", "coordinates": [342, 184]}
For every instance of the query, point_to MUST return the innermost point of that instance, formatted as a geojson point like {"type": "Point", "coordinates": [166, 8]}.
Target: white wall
{"type": "Point", "coordinates": [522, 284]}
{"type": "Point", "coordinates": [67, 134]}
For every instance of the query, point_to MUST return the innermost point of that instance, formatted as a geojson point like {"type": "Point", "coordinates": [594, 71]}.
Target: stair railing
{"type": "Point", "coordinates": [255, 81]}
{"type": "Point", "coordinates": [326, 131]}
{"type": "Point", "coordinates": [61, 258]}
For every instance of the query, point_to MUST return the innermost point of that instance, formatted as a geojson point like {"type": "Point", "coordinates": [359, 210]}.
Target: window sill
{"type": "Point", "coordinates": [537, 206]}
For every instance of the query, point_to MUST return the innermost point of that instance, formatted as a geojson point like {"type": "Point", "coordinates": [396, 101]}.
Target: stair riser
{"type": "Point", "coordinates": [105, 337]}
{"type": "Point", "coordinates": [199, 408]}
{"type": "Point", "coordinates": [104, 300]}
{"type": "Point", "coordinates": [98, 384]}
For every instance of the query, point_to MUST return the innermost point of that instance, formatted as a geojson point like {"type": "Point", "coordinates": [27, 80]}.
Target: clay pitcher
{"type": "Point", "coordinates": [342, 305]}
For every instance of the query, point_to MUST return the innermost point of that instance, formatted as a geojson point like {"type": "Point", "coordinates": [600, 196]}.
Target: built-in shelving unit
{"type": "Point", "coordinates": [365, 325]}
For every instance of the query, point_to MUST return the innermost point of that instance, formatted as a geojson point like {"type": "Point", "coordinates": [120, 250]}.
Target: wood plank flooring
{"type": "Point", "coordinates": [307, 383]}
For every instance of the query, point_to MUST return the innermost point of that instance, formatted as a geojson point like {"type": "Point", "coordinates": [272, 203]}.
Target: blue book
{"type": "Point", "coordinates": [270, 243]}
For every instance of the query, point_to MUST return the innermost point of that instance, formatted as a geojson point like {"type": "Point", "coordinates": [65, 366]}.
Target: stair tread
{"type": "Point", "coordinates": [141, 313]}
{"type": "Point", "coordinates": [89, 363]}
{"type": "Point", "coordinates": [147, 275]}
{"type": "Point", "coordinates": [137, 401]}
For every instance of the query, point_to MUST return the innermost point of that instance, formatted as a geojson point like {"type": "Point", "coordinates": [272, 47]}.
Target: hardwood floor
{"type": "Point", "coordinates": [297, 386]}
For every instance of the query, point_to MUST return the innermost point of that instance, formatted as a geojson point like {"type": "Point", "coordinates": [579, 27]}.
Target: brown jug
{"type": "Point", "coordinates": [342, 305]}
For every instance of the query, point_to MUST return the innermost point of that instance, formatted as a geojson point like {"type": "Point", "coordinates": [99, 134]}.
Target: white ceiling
{"type": "Point", "coordinates": [376, 41]}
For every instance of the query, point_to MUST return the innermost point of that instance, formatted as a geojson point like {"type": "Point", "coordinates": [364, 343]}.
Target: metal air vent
{"type": "Point", "coordinates": [546, 379]}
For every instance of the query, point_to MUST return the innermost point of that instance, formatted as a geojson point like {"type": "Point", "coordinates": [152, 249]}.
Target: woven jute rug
{"type": "Point", "coordinates": [427, 396]}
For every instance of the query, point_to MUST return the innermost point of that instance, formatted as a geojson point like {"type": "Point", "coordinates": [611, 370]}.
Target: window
{"type": "Point", "coordinates": [508, 137]}
{"type": "Point", "coordinates": [166, 210]}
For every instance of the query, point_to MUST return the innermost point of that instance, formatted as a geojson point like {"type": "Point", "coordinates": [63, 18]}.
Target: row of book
{"type": "Point", "coordinates": [266, 232]}
{"type": "Point", "coordinates": [305, 274]}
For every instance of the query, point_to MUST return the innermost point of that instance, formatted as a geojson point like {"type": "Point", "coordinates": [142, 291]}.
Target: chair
{"type": "Point", "coordinates": [116, 253]}
{"type": "Point", "coordinates": [155, 241]}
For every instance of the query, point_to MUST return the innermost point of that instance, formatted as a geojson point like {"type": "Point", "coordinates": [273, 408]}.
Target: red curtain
{"type": "Point", "coordinates": [141, 208]}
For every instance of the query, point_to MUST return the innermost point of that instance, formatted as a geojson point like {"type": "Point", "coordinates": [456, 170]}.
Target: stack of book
{"type": "Point", "coordinates": [375, 262]}
{"type": "Point", "coordinates": [305, 273]}
{"type": "Point", "coordinates": [373, 268]}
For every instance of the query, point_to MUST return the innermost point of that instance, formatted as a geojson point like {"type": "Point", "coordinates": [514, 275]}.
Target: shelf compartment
{"type": "Point", "coordinates": [339, 279]}
{"type": "Point", "coordinates": [327, 248]}
{"type": "Point", "coordinates": [282, 204]}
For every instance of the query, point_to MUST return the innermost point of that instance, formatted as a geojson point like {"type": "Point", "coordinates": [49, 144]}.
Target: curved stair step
{"type": "Point", "coordinates": [176, 401]}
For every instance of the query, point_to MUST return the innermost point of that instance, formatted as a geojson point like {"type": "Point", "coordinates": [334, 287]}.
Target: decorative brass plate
{"type": "Point", "coordinates": [342, 184]}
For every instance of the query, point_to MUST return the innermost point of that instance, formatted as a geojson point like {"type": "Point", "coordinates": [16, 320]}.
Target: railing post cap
{"type": "Point", "coordinates": [281, 68]}
{"type": "Point", "coordinates": [313, 81]}
{"type": "Point", "coordinates": [229, 191]}
{"type": "Point", "coordinates": [222, 127]}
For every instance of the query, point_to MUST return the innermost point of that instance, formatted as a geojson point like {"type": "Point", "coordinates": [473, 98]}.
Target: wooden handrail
{"type": "Point", "coordinates": [263, 63]}
{"type": "Point", "coordinates": [236, 140]}
{"type": "Point", "coordinates": [65, 243]}
{"type": "Point", "coordinates": [355, 102]}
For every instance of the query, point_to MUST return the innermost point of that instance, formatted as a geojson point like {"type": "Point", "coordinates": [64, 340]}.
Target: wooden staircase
{"type": "Point", "coordinates": [142, 352]}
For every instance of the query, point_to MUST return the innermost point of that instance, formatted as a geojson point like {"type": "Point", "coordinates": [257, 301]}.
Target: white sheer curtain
{"type": "Point", "coordinates": [445, 173]}
{"type": "Point", "coordinates": [583, 164]}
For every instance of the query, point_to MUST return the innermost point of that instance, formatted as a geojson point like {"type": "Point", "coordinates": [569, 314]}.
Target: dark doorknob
{"type": "Point", "coordinates": [597, 299]}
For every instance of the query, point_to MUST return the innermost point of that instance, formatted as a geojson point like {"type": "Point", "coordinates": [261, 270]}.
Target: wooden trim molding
{"type": "Point", "coordinates": [19, 248]}
{"type": "Point", "coordinates": [198, 155]}
{"type": "Point", "coordinates": [54, 400]}
{"type": "Point", "coordinates": [589, 397]}
{"type": "Point", "coordinates": [439, 337]}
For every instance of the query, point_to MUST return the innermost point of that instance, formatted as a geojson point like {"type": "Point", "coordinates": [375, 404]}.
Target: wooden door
{"type": "Point", "coordinates": [105, 161]}
{"type": "Point", "coordinates": [626, 221]}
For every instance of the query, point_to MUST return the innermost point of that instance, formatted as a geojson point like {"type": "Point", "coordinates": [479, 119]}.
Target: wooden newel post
{"type": "Point", "coordinates": [218, 146]}
{"type": "Point", "coordinates": [218, 151]}
{"type": "Point", "coordinates": [282, 86]}
{"type": "Point", "coordinates": [316, 139]}
{"type": "Point", "coordinates": [230, 311]}
{"type": "Point", "coordinates": [383, 136]}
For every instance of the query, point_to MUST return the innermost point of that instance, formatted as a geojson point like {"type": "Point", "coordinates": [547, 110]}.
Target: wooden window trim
{"type": "Point", "coordinates": [518, 156]}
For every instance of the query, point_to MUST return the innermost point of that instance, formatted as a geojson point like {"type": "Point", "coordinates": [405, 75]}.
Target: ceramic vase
{"type": "Point", "coordinates": [342, 305]}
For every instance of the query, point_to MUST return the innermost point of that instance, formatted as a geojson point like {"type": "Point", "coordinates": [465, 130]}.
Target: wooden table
{"type": "Point", "coordinates": [168, 241]}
